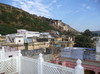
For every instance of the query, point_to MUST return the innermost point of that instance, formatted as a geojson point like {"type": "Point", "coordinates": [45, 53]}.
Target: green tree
{"type": "Point", "coordinates": [5, 29]}
{"type": "Point", "coordinates": [84, 40]}
{"type": "Point", "coordinates": [88, 33]}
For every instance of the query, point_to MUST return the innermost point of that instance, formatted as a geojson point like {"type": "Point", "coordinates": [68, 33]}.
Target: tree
{"type": "Point", "coordinates": [84, 40]}
{"type": "Point", "coordinates": [95, 34]}
{"type": "Point", "coordinates": [88, 33]}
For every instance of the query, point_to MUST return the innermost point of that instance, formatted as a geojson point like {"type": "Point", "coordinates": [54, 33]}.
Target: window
{"type": "Point", "coordinates": [10, 56]}
{"type": "Point", "coordinates": [19, 41]}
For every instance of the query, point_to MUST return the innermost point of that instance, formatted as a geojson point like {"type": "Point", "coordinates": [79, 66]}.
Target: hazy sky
{"type": "Point", "coordinates": [79, 14]}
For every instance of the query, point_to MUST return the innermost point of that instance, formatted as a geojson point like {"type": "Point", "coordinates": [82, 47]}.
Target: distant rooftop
{"type": "Point", "coordinates": [81, 48]}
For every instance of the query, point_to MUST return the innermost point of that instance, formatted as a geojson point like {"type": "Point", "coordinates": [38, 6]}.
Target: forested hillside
{"type": "Point", "coordinates": [12, 18]}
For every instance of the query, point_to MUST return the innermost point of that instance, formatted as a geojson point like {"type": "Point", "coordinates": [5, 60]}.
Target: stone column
{"type": "Point", "coordinates": [19, 62]}
{"type": "Point", "coordinates": [40, 64]}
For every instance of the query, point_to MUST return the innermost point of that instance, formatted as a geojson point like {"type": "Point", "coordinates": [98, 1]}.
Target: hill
{"type": "Point", "coordinates": [12, 18]}
{"type": "Point", "coordinates": [97, 32]}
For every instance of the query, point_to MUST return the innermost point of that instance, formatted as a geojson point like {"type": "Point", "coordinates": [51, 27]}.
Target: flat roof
{"type": "Point", "coordinates": [88, 62]}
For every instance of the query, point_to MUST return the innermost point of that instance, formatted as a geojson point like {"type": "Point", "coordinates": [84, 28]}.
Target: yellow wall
{"type": "Point", "coordinates": [38, 45]}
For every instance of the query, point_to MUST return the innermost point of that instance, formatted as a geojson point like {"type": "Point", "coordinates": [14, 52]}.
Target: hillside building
{"type": "Point", "coordinates": [22, 35]}
{"type": "Point", "coordinates": [29, 39]}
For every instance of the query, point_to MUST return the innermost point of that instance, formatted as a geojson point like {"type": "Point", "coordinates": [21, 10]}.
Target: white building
{"type": "Point", "coordinates": [22, 31]}
{"type": "Point", "coordinates": [98, 49]}
{"type": "Point", "coordinates": [28, 33]}
{"type": "Point", "coordinates": [22, 35]}
{"type": "Point", "coordinates": [45, 35]}
{"type": "Point", "coordinates": [19, 39]}
{"type": "Point", "coordinates": [32, 34]}
{"type": "Point", "coordinates": [15, 38]}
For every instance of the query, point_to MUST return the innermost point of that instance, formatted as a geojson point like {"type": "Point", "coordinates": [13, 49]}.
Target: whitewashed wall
{"type": "Point", "coordinates": [25, 65]}
{"type": "Point", "coordinates": [19, 40]}
{"type": "Point", "coordinates": [98, 45]}
{"type": "Point", "coordinates": [5, 53]}
{"type": "Point", "coordinates": [32, 34]}
{"type": "Point", "coordinates": [98, 49]}
{"type": "Point", "coordinates": [12, 53]}
{"type": "Point", "coordinates": [72, 53]}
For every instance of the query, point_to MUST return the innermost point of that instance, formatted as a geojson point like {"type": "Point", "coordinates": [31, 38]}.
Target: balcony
{"type": "Point", "coordinates": [25, 65]}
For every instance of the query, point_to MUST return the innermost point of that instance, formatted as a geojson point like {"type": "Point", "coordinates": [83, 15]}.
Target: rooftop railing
{"type": "Point", "coordinates": [25, 65]}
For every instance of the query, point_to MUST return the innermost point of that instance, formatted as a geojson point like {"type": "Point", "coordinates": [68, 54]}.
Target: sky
{"type": "Point", "coordinates": [79, 14]}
